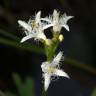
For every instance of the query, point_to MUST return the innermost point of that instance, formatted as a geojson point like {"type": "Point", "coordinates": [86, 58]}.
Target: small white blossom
{"type": "Point", "coordinates": [52, 69]}
{"type": "Point", "coordinates": [34, 28]}
{"type": "Point", "coordinates": [57, 21]}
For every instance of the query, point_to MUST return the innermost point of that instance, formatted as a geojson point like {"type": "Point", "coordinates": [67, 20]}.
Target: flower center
{"type": "Point", "coordinates": [50, 69]}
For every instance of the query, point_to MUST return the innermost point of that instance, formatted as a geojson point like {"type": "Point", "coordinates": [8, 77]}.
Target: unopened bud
{"type": "Point", "coordinates": [61, 37]}
{"type": "Point", "coordinates": [48, 42]}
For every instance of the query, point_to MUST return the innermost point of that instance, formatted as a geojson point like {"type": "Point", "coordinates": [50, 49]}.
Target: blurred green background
{"type": "Point", "coordinates": [25, 59]}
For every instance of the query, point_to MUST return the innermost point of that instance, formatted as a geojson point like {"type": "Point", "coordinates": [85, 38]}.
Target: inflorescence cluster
{"type": "Point", "coordinates": [35, 28]}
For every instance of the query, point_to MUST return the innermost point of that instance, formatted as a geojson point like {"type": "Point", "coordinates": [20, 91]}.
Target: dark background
{"type": "Point", "coordinates": [79, 45]}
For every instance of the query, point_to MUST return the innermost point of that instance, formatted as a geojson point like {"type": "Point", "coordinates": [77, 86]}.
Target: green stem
{"type": "Point", "coordinates": [51, 48]}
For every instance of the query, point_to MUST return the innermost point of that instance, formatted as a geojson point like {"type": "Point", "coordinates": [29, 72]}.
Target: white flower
{"type": "Point", "coordinates": [34, 28]}
{"type": "Point", "coordinates": [57, 21]}
{"type": "Point", "coordinates": [52, 69]}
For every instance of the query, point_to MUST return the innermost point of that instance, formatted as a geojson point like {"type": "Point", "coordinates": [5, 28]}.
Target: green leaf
{"type": "Point", "coordinates": [9, 35]}
{"type": "Point", "coordinates": [94, 92]}
{"type": "Point", "coordinates": [25, 46]}
{"type": "Point", "coordinates": [9, 94]}
{"type": "Point", "coordinates": [15, 42]}
{"type": "Point", "coordinates": [2, 94]}
{"type": "Point", "coordinates": [29, 86]}
{"type": "Point", "coordinates": [82, 66]}
{"type": "Point", "coordinates": [25, 88]}
{"type": "Point", "coordinates": [18, 82]}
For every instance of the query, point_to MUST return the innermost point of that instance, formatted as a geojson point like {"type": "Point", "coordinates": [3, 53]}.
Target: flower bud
{"type": "Point", "coordinates": [61, 37]}
{"type": "Point", "coordinates": [48, 42]}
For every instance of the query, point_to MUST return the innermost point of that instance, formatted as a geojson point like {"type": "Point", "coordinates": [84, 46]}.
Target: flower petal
{"type": "Point", "coordinates": [27, 37]}
{"type": "Point", "coordinates": [57, 59]}
{"type": "Point", "coordinates": [47, 79]}
{"type": "Point", "coordinates": [55, 16]}
{"type": "Point", "coordinates": [38, 16]}
{"type": "Point", "coordinates": [66, 27]}
{"type": "Point", "coordinates": [47, 26]}
{"type": "Point", "coordinates": [40, 35]}
{"type": "Point", "coordinates": [61, 73]}
{"type": "Point", "coordinates": [66, 18]}
{"type": "Point", "coordinates": [47, 19]}
{"type": "Point", "coordinates": [25, 25]}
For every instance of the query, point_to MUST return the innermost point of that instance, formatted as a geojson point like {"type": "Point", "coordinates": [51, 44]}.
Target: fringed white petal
{"type": "Point", "coordinates": [61, 73]}
{"type": "Point", "coordinates": [55, 15]}
{"type": "Point", "coordinates": [27, 37]}
{"type": "Point", "coordinates": [47, 80]}
{"type": "Point", "coordinates": [47, 26]}
{"type": "Point", "coordinates": [25, 25]}
{"type": "Point", "coordinates": [66, 18]}
{"type": "Point", "coordinates": [41, 35]}
{"type": "Point", "coordinates": [46, 19]}
{"type": "Point", "coordinates": [57, 59]}
{"type": "Point", "coordinates": [38, 16]}
{"type": "Point", "coordinates": [66, 27]}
